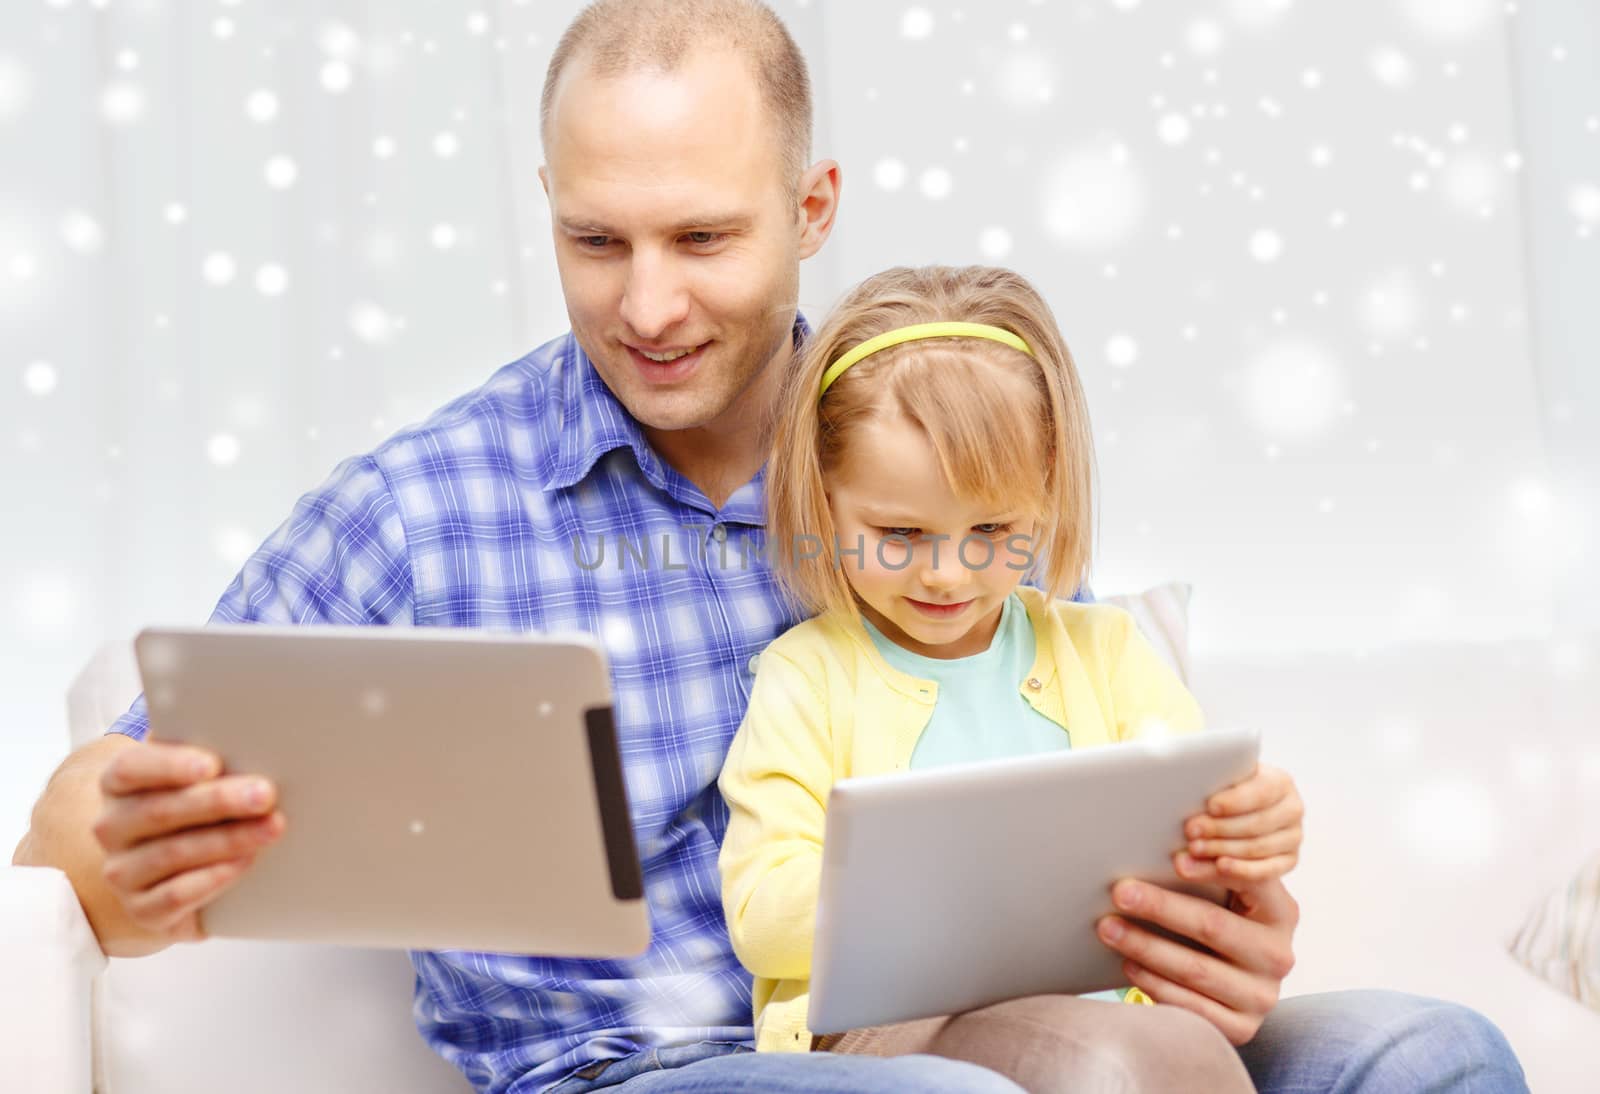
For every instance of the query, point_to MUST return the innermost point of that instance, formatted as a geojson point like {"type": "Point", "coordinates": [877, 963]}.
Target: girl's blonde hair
{"type": "Point", "coordinates": [1008, 429]}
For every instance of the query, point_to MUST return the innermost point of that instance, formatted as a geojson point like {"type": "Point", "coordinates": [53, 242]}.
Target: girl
{"type": "Point", "coordinates": [931, 449]}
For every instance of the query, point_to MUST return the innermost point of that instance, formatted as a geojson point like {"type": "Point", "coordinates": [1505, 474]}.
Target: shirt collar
{"type": "Point", "coordinates": [591, 423]}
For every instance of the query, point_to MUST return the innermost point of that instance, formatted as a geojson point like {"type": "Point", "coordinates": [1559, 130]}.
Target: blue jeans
{"type": "Point", "coordinates": [1350, 1042]}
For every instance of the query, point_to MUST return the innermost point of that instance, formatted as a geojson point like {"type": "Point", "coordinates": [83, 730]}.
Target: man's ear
{"type": "Point", "coordinates": [819, 204]}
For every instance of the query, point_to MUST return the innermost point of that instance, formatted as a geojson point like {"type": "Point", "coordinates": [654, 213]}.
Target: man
{"type": "Point", "coordinates": [677, 138]}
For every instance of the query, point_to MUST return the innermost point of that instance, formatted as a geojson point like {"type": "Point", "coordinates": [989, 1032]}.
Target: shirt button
{"type": "Point", "coordinates": [1034, 684]}
{"type": "Point", "coordinates": [719, 532]}
{"type": "Point", "coordinates": [751, 664]}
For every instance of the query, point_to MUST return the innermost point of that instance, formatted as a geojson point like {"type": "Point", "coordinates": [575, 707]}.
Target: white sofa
{"type": "Point", "coordinates": [1446, 786]}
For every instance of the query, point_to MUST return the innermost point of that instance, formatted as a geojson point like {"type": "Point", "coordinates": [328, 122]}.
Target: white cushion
{"type": "Point", "coordinates": [263, 1018]}
{"type": "Point", "coordinates": [50, 957]}
{"type": "Point", "coordinates": [1162, 613]}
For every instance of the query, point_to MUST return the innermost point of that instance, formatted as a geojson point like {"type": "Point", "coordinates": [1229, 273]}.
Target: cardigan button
{"type": "Point", "coordinates": [1034, 684]}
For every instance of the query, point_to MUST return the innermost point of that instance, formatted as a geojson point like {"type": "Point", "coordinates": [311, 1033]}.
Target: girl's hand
{"type": "Point", "coordinates": [1249, 832]}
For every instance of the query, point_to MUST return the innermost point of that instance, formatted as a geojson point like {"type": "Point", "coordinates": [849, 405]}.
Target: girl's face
{"type": "Point", "coordinates": [933, 569]}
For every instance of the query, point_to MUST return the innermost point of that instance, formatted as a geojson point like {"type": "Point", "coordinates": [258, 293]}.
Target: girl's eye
{"type": "Point", "coordinates": [908, 533]}
{"type": "Point", "coordinates": [992, 528]}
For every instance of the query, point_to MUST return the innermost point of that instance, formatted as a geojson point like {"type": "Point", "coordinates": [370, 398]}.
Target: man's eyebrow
{"type": "Point", "coordinates": [704, 222]}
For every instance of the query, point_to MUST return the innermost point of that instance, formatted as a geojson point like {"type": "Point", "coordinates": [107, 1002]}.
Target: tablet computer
{"type": "Point", "coordinates": [957, 887]}
{"type": "Point", "coordinates": [444, 788]}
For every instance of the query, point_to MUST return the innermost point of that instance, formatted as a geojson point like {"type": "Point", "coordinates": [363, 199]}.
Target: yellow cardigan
{"type": "Point", "coordinates": [1093, 674]}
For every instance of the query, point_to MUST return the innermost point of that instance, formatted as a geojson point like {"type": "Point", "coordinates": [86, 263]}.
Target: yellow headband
{"type": "Point", "coordinates": [915, 333]}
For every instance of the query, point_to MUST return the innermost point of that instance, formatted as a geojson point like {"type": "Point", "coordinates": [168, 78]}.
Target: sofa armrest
{"type": "Point", "coordinates": [50, 958]}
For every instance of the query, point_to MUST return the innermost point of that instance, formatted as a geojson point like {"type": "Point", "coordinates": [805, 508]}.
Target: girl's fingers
{"type": "Point", "coordinates": [1284, 813]}
{"type": "Point", "coordinates": [1256, 870]}
{"type": "Point", "coordinates": [1282, 842]}
{"type": "Point", "coordinates": [1267, 785]}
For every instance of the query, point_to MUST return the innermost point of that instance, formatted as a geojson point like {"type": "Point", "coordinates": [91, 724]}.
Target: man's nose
{"type": "Point", "coordinates": [655, 297]}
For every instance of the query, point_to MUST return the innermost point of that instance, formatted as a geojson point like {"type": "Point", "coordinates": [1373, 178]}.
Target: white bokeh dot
{"type": "Point", "coordinates": [47, 604]}
{"type": "Point", "coordinates": [218, 268]}
{"type": "Point", "coordinates": [175, 212]}
{"type": "Point", "coordinates": [383, 147]}
{"type": "Point", "coordinates": [1391, 305]}
{"type": "Point", "coordinates": [1584, 201]}
{"type": "Point", "coordinates": [1174, 129]}
{"type": "Point", "coordinates": [889, 173]}
{"type": "Point", "coordinates": [994, 243]}
{"type": "Point", "coordinates": [222, 449]}
{"type": "Point", "coordinates": [233, 544]}
{"type": "Point", "coordinates": [1203, 37]}
{"type": "Point", "coordinates": [261, 105]}
{"type": "Point", "coordinates": [935, 183]}
{"type": "Point", "coordinates": [1025, 79]}
{"type": "Point", "coordinates": [335, 76]}
{"type": "Point", "coordinates": [39, 378]}
{"type": "Point", "coordinates": [444, 236]}
{"type": "Point", "coordinates": [1470, 183]}
{"type": "Point", "coordinates": [1266, 245]}
{"type": "Point", "coordinates": [1258, 14]}
{"type": "Point", "coordinates": [1293, 390]}
{"type": "Point", "coordinates": [371, 323]}
{"type": "Point", "coordinates": [1390, 67]}
{"type": "Point", "coordinates": [1451, 19]}
{"type": "Point", "coordinates": [1094, 196]}
{"type": "Point", "coordinates": [271, 279]}
{"type": "Point", "coordinates": [122, 103]}
{"type": "Point", "coordinates": [337, 40]}
{"type": "Point", "coordinates": [446, 145]}
{"type": "Point", "coordinates": [16, 88]}
{"type": "Point", "coordinates": [281, 172]}
{"type": "Point", "coordinates": [81, 232]}
{"type": "Point", "coordinates": [1122, 350]}
{"type": "Point", "coordinates": [916, 23]}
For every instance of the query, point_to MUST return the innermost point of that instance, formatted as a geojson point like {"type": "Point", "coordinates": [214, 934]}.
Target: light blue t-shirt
{"type": "Point", "coordinates": [980, 714]}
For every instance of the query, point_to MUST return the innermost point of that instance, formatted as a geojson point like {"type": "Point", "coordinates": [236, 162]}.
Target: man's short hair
{"type": "Point", "coordinates": [613, 37]}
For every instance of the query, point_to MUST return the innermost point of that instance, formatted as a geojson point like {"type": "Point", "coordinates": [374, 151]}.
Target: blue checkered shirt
{"type": "Point", "coordinates": [470, 519]}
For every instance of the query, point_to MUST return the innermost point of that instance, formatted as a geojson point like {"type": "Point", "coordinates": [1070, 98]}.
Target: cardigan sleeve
{"type": "Point", "coordinates": [776, 781]}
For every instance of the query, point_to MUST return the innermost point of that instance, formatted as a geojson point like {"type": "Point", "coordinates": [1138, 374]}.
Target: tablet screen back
{"type": "Point", "coordinates": [952, 888]}
{"type": "Point", "coordinates": [444, 789]}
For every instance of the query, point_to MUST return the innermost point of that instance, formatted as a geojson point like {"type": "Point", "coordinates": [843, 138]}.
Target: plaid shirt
{"type": "Point", "coordinates": [493, 513]}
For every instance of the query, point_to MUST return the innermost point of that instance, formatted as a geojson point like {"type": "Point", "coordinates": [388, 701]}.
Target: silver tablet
{"type": "Point", "coordinates": [953, 888]}
{"type": "Point", "coordinates": [444, 789]}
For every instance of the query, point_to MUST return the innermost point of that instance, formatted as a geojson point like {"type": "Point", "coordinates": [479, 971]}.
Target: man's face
{"type": "Point", "coordinates": [933, 569]}
{"type": "Point", "coordinates": [676, 239]}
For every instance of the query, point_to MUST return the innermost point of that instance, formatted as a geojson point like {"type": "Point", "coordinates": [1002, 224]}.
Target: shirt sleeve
{"type": "Point", "coordinates": [1148, 697]}
{"type": "Point", "coordinates": [776, 780]}
{"type": "Point", "coordinates": [339, 558]}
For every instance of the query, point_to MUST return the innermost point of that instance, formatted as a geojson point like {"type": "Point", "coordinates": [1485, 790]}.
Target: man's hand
{"type": "Point", "coordinates": [1251, 831]}
{"type": "Point", "coordinates": [176, 833]}
{"type": "Point", "coordinates": [1251, 943]}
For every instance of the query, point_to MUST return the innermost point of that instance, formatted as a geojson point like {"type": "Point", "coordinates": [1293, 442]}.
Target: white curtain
{"type": "Point", "coordinates": [1328, 270]}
